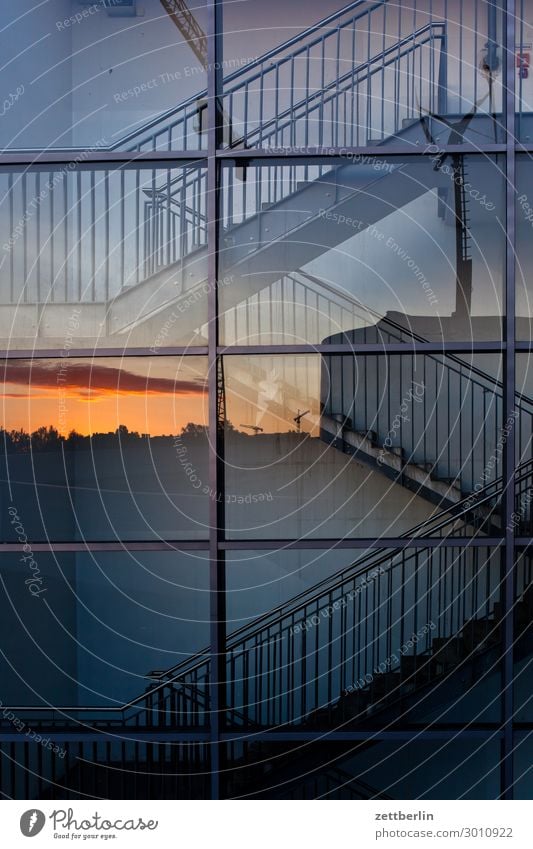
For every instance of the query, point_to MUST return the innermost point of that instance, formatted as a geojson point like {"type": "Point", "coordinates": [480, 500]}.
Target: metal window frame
{"type": "Point", "coordinates": [216, 544]}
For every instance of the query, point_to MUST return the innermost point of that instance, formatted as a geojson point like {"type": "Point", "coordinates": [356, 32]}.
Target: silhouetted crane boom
{"type": "Point", "coordinates": [189, 27]}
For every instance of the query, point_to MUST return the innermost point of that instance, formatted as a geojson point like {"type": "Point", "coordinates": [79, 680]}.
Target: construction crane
{"type": "Point", "coordinates": [298, 418]}
{"type": "Point", "coordinates": [196, 38]}
{"type": "Point", "coordinates": [189, 27]}
{"type": "Point", "coordinates": [256, 429]}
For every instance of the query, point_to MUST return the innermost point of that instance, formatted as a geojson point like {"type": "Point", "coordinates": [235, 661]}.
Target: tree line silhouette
{"type": "Point", "coordinates": [48, 438]}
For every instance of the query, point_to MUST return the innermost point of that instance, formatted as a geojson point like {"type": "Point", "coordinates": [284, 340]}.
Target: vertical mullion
{"type": "Point", "coordinates": [508, 410]}
{"type": "Point", "coordinates": [216, 504]}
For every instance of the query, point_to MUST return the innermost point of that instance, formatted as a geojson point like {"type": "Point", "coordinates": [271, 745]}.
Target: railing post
{"type": "Point", "coordinates": [442, 95]}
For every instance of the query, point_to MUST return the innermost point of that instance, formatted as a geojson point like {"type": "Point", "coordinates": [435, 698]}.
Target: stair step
{"type": "Point", "coordinates": [527, 597]}
{"type": "Point", "coordinates": [384, 685]}
{"type": "Point", "coordinates": [450, 481]}
{"type": "Point", "coordinates": [497, 611]}
{"type": "Point", "coordinates": [371, 435]}
{"type": "Point", "coordinates": [448, 651]}
{"type": "Point", "coordinates": [397, 451]}
{"type": "Point", "coordinates": [480, 632]}
{"type": "Point", "coordinates": [522, 614]}
{"type": "Point", "coordinates": [415, 669]}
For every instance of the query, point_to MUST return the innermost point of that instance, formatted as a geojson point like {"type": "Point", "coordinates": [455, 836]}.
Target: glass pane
{"type": "Point", "coordinates": [464, 769]}
{"type": "Point", "coordinates": [363, 446]}
{"type": "Point", "coordinates": [524, 91]}
{"type": "Point", "coordinates": [86, 629]}
{"type": "Point", "coordinates": [104, 449]}
{"type": "Point", "coordinates": [368, 639]}
{"type": "Point", "coordinates": [523, 632]}
{"type": "Point", "coordinates": [524, 249]}
{"type": "Point", "coordinates": [522, 519]}
{"type": "Point", "coordinates": [107, 770]}
{"type": "Point", "coordinates": [330, 73]}
{"type": "Point", "coordinates": [96, 258]}
{"type": "Point", "coordinates": [363, 250]}
{"type": "Point", "coordinates": [113, 74]}
{"type": "Point", "coordinates": [523, 770]}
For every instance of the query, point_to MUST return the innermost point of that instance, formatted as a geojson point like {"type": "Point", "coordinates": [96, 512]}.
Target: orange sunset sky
{"type": "Point", "coordinates": [95, 396]}
{"type": "Point", "coordinates": [156, 396]}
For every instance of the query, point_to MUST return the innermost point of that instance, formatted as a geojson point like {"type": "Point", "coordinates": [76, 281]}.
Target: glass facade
{"type": "Point", "coordinates": [266, 413]}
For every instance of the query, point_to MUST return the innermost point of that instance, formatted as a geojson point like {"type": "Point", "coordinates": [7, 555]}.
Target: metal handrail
{"type": "Point", "coordinates": [350, 76]}
{"type": "Point", "coordinates": [435, 523]}
{"type": "Point", "coordinates": [242, 72]}
{"type": "Point", "coordinates": [416, 337]}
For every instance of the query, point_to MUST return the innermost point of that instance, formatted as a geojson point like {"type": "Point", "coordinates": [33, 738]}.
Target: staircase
{"type": "Point", "coordinates": [372, 643]}
{"type": "Point", "coordinates": [128, 246]}
{"type": "Point", "coordinates": [135, 250]}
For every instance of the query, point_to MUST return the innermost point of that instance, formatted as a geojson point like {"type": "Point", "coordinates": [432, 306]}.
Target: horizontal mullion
{"type": "Point", "coordinates": [125, 735]}
{"type": "Point", "coordinates": [418, 733]}
{"type": "Point", "coordinates": [318, 544]}
{"type": "Point", "coordinates": [258, 350]}
{"type": "Point", "coordinates": [362, 348]}
{"type": "Point", "coordinates": [148, 545]}
{"type": "Point", "coordinates": [59, 157]}
{"type": "Point", "coordinates": [374, 543]}
{"type": "Point", "coordinates": [414, 732]}
{"type": "Point", "coordinates": [523, 542]}
{"type": "Point", "coordinates": [318, 152]}
{"type": "Point", "coordinates": [66, 157]}
{"type": "Point", "coordinates": [52, 353]}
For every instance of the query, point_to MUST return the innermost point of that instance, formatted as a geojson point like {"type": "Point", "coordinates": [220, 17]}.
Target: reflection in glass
{"type": "Point", "coordinates": [522, 518]}
{"type": "Point", "coordinates": [457, 769]}
{"type": "Point", "coordinates": [523, 773]}
{"type": "Point", "coordinates": [98, 625]}
{"type": "Point", "coordinates": [330, 73]}
{"type": "Point", "coordinates": [115, 74]}
{"type": "Point", "coordinates": [524, 249]}
{"type": "Point", "coordinates": [524, 79]}
{"type": "Point", "coordinates": [523, 633]}
{"type": "Point", "coordinates": [364, 445]}
{"type": "Point", "coordinates": [383, 250]}
{"type": "Point", "coordinates": [389, 637]}
{"type": "Point", "coordinates": [96, 258]}
{"type": "Point", "coordinates": [105, 449]}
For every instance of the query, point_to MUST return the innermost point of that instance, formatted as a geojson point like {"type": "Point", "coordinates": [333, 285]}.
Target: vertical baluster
{"type": "Point", "coordinates": [77, 191]}
{"type": "Point", "coordinates": [307, 81]}
{"type": "Point", "coordinates": [337, 75]}
{"type": "Point", "coordinates": [521, 80]}
{"type": "Point", "coordinates": [168, 218]}
{"type": "Point", "coordinates": [292, 120]}
{"type": "Point", "coordinates": [322, 87]}
{"type": "Point", "coordinates": [38, 235]}
{"type": "Point", "coordinates": [93, 237]}
{"type": "Point", "coordinates": [11, 194]}
{"type": "Point", "coordinates": [24, 241]}
{"type": "Point", "coordinates": [368, 84]}
{"type": "Point", "coordinates": [461, 35]}
{"type": "Point", "coordinates": [106, 234]}
{"type": "Point", "coordinates": [384, 43]}
{"type": "Point", "coordinates": [330, 649]}
{"type": "Point", "coordinates": [122, 276]}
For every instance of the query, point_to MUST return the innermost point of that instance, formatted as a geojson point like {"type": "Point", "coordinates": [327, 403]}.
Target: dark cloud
{"type": "Point", "coordinates": [90, 379]}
